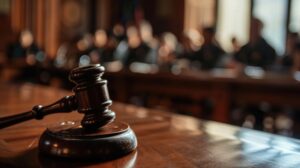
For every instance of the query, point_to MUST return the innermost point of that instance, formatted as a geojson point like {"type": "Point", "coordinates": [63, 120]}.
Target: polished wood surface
{"type": "Point", "coordinates": [165, 139]}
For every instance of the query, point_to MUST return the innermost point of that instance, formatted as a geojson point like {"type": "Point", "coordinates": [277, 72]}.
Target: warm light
{"type": "Point", "coordinates": [100, 38]}
{"type": "Point", "coordinates": [26, 38]}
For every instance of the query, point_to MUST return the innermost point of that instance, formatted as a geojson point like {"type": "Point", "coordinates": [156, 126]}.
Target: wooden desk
{"type": "Point", "coordinates": [187, 91]}
{"type": "Point", "coordinates": [165, 139]}
{"type": "Point", "coordinates": [194, 87]}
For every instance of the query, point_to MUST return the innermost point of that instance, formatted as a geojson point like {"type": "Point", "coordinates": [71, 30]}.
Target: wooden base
{"type": "Point", "coordinates": [70, 140]}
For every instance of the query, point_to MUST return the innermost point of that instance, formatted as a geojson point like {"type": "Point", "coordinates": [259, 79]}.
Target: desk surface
{"type": "Point", "coordinates": [165, 139]}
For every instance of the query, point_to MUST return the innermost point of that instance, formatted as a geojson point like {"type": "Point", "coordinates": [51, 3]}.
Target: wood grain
{"type": "Point", "coordinates": [165, 139]}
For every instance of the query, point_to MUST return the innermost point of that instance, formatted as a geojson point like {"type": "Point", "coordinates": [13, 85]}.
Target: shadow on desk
{"type": "Point", "coordinates": [32, 158]}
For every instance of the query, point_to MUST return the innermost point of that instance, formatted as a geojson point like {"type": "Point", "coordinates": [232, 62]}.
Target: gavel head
{"type": "Point", "coordinates": [92, 96]}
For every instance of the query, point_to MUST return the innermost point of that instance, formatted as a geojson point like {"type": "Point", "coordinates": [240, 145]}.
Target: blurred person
{"type": "Point", "coordinates": [68, 57]}
{"type": "Point", "coordinates": [287, 59]}
{"type": "Point", "coordinates": [84, 49]}
{"type": "Point", "coordinates": [74, 52]}
{"type": "Point", "coordinates": [118, 32]}
{"type": "Point", "coordinates": [210, 53]}
{"type": "Point", "coordinates": [257, 52]}
{"type": "Point", "coordinates": [168, 51]}
{"type": "Point", "coordinates": [229, 62]}
{"type": "Point", "coordinates": [191, 42]}
{"type": "Point", "coordinates": [147, 37]}
{"type": "Point", "coordinates": [133, 50]}
{"type": "Point", "coordinates": [66, 54]}
{"type": "Point", "coordinates": [25, 51]}
{"type": "Point", "coordinates": [85, 44]}
{"type": "Point", "coordinates": [103, 49]}
{"type": "Point", "coordinates": [146, 32]}
{"type": "Point", "coordinates": [26, 55]}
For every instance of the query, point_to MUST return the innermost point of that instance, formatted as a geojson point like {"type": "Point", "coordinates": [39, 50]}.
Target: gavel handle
{"type": "Point", "coordinates": [66, 104]}
{"type": "Point", "coordinates": [14, 119]}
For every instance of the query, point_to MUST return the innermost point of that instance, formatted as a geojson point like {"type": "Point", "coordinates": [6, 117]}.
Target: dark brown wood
{"type": "Point", "coordinates": [66, 104]}
{"type": "Point", "coordinates": [96, 136]}
{"type": "Point", "coordinates": [92, 96]}
{"type": "Point", "coordinates": [222, 89]}
{"type": "Point", "coordinates": [165, 139]}
{"type": "Point", "coordinates": [71, 140]}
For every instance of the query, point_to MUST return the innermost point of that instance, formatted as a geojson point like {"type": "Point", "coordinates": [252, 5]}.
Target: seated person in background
{"type": "Point", "coordinates": [74, 52]}
{"type": "Point", "coordinates": [168, 51]}
{"type": "Point", "coordinates": [25, 55]}
{"type": "Point", "coordinates": [134, 50]}
{"type": "Point", "coordinates": [66, 54]}
{"type": "Point", "coordinates": [292, 40]}
{"type": "Point", "coordinates": [191, 42]}
{"type": "Point", "coordinates": [24, 51]}
{"type": "Point", "coordinates": [147, 37]}
{"type": "Point", "coordinates": [118, 33]}
{"type": "Point", "coordinates": [103, 49]}
{"type": "Point", "coordinates": [210, 52]}
{"type": "Point", "coordinates": [257, 52]}
{"type": "Point", "coordinates": [84, 48]}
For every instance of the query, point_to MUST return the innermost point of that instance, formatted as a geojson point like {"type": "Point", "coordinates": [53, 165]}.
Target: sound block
{"type": "Point", "coordinates": [69, 140]}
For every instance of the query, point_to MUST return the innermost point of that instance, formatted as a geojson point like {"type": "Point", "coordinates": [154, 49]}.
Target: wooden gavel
{"type": "Point", "coordinates": [97, 136]}
{"type": "Point", "coordinates": [91, 98]}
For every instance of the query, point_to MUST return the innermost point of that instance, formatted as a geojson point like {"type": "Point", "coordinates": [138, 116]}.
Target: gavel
{"type": "Point", "coordinates": [97, 134]}
{"type": "Point", "coordinates": [91, 98]}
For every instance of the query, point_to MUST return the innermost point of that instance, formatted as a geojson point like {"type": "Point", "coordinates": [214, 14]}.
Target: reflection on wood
{"type": "Point", "coordinates": [165, 139]}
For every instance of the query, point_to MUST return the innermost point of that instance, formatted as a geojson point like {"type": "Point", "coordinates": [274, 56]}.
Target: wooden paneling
{"type": "Point", "coordinates": [103, 18]}
{"type": "Point", "coordinates": [17, 13]}
{"type": "Point", "coordinates": [47, 18]}
{"type": "Point", "coordinates": [40, 22]}
{"type": "Point", "coordinates": [53, 27]}
{"type": "Point", "coordinates": [167, 15]}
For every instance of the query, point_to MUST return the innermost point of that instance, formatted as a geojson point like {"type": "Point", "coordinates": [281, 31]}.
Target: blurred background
{"type": "Point", "coordinates": [233, 61]}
